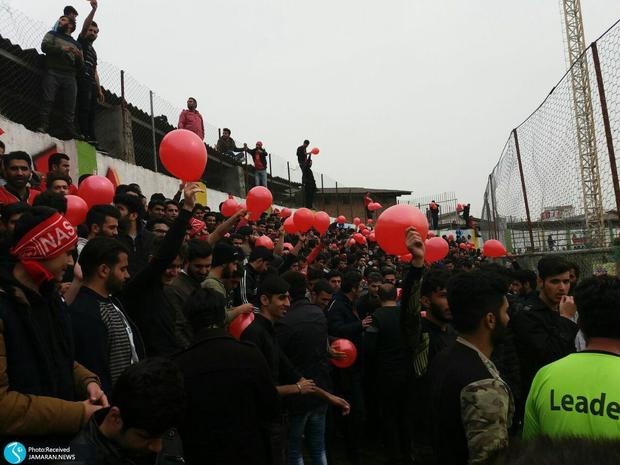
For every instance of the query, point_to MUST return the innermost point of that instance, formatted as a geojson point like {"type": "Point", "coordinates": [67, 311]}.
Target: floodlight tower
{"type": "Point", "coordinates": [584, 119]}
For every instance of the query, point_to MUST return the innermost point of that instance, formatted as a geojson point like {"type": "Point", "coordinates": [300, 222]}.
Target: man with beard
{"type": "Point", "coordinates": [101, 220]}
{"type": "Point", "coordinates": [210, 221]}
{"type": "Point", "coordinates": [369, 302]}
{"type": "Point", "coordinates": [63, 60]}
{"type": "Point", "coordinates": [156, 209]}
{"type": "Point", "coordinates": [191, 119]}
{"type": "Point", "coordinates": [89, 90]}
{"type": "Point", "coordinates": [106, 342]}
{"type": "Point", "coordinates": [132, 232]}
{"type": "Point", "coordinates": [544, 331]}
{"type": "Point", "coordinates": [196, 265]}
{"type": "Point", "coordinates": [17, 172]}
{"type": "Point", "coordinates": [223, 269]}
{"type": "Point", "coordinates": [472, 405]}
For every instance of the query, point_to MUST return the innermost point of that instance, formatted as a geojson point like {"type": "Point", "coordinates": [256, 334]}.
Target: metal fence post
{"type": "Point", "coordinates": [290, 189]}
{"type": "Point", "coordinates": [608, 134]}
{"type": "Point", "coordinates": [323, 191]}
{"type": "Point", "coordinates": [124, 114]}
{"type": "Point", "coordinates": [337, 200]}
{"type": "Point", "coordinates": [270, 170]}
{"type": "Point", "coordinates": [350, 202]}
{"type": "Point", "coordinates": [523, 189]}
{"type": "Point", "coordinates": [493, 208]}
{"type": "Point", "coordinates": [153, 133]}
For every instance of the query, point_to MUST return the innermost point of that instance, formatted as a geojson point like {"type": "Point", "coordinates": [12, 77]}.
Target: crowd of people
{"type": "Point", "coordinates": [116, 338]}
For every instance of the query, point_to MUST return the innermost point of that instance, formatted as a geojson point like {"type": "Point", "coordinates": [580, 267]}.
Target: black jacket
{"type": "Point", "coordinates": [139, 248]}
{"type": "Point", "coordinates": [302, 336]}
{"type": "Point", "coordinates": [230, 398]}
{"type": "Point", "coordinates": [384, 341]}
{"type": "Point", "coordinates": [261, 153]}
{"type": "Point", "coordinates": [144, 298]}
{"type": "Point", "coordinates": [247, 290]}
{"type": "Point", "coordinates": [344, 323]}
{"type": "Point", "coordinates": [541, 337]}
{"type": "Point", "coordinates": [91, 335]}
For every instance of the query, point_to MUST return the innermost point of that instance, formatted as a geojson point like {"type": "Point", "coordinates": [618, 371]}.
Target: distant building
{"type": "Point", "coordinates": [349, 201]}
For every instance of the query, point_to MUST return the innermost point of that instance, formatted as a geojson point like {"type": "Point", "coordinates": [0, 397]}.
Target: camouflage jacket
{"type": "Point", "coordinates": [487, 407]}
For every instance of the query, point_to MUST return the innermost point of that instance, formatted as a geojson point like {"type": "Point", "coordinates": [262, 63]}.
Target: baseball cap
{"type": "Point", "coordinates": [261, 253]}
{"type": "Point", "coordinates": [224, 253]}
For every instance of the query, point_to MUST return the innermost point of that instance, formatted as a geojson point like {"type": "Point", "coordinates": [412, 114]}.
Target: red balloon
{"type": "Point", "coordinates": [341, 219]}
{"type": "Point", "coordinates": [436, 249]}
{"type": "Point", "coordinates": [372, 237]}
{"type": "Point", "coordinates": [370, 221]}
{"type": "Point", "coordinates": [351, 242]}
{"type": "Point", "coordinates": [392, 225]}
{"type": "Point", "coordinates": [359, 238]}
{"type": "Point", "coordinates": [76, 210]}
{"type": "Point", "coordinates": [459, 207]}
{"type": "Point", "coordinates": [374, 206]}
{"type": "Point", "coordinates": [288, 246]}
{"type": "Point", "coordinates": [289, 226]}
{"type": "Point", "coordinates": [315, 151]}
{"type": "Point", "coordinates": [361, 226]}
{"type": "Point", "coordinates": [493, 248]}
{"type": "Point", "coordinates": [285, 213]}
{"type": "Point", "coordinates": [365, 232]}
{"type": "Point", "coordinates": [259, 199]}
{"type": "Point", "coordinates": [346, 346]}
{"type": "Point", "coordinates": [229, 206]}
{"type": "Point", "coordinates": [321, 222]}
{"type": "Point", "coordinates": [304, 219]}
{"type": "Point", "coordinates": [356, 221]}
{"type": "Point", "coordinates": [239, 324]}
{"type": "Point", "coordinates": [451, 237]}
{"type": "Point", "coordinates": [462, 246]}
{"type": "Point", "coordinates": [96, 190]}
{"type": "Point", "coordinates": [183, 154]}
{"type": "Point", "coordinates": [264, 241]}
{"type": "Point", "coordinates": [430, 235]}
{"type": "Point", "coordinates": [406, 258]}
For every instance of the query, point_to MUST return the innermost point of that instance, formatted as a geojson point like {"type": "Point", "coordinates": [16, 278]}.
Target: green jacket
{"type": "Point", "coordinates": [59, 60]}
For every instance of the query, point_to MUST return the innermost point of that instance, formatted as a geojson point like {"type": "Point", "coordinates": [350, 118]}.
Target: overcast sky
{"type": "Point", "coordinates": [417, 95]}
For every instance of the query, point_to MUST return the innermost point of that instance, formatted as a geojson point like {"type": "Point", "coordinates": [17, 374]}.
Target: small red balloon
{"type": "Point", "coordinates": [372, 237]}
{"type": "Point", "coordinates": [321, 222]}
{"type": "Point", "coordinates": [96, 190]}
{"type": "Point", "coordinates": [341, 219]}
{"type": "Point", "coordinates": [289, 226]}
{"type": "Point", "coordinates": [392, 225]}
{"type": "Point", "coordinates": [259, 199]}
{"type": "Point", "coordinates": [493, 248]}
{"type": "Point", "coordinates": [229, 207]}
{"type": "Point", "coordinates": [315, 151]}
{"type": "Point", "coordinates": [264, 241]}
{"type": "Point", "coordinates": [374, 206]}
{"type": "Point", "coordinates": [451, 237]}
{"type": "Point", "coordinates": [351, 242]}
{"type": "Point", "coordinates": [356, 221]}
{"type": "Point", "coordinates": [365, 232]}
{"type": "Point", "coordinates": [359, 238]}
{"type": "Point", "coordinates": [288, 246]}
{"type": "Point", "coordinates": [183, 154]}
{"type": "Point", "coordinates": [406, 258]}
{"type": "Point", "coordinates": [76, 210]}
{"type": "Point", "coordinates": [239, 324]}
{"type": "Point", "coordinates": [371, 221]}
{"type": "Point", "coordinates": [304, 219]}
{"type": "Point", "coordinates": [285, 213]}
{"type": "Point", "coordinates": [462, 246]}
{"type": "Point", "coordinates": [346, 346]}
{"type": "Point", "coordinates": [436, 249]}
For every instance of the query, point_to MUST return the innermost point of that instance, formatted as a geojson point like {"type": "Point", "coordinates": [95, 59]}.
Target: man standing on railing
{"type": "Point", "coordinates": [89, 90]}
{"type": "Point", "coordinates": [191, 119]}
{"type": "Point", "coordinates": [227, 145]}
{"type": "Point", "coordinates": [303, 156]}
{"type": "Point", "coordinates": [63, 60]}
{"type": "Point", "coordinates": [260, 163]}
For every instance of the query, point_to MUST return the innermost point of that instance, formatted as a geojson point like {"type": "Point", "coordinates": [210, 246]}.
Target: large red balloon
{"type": "Point", "coordinates": [239, 324]}
{"type": "Point", "coordinates": [321, 222]}
{"type": "Point", "coordinates": [259, 199]}
{"type": "Point", "coordinates": [289, 226]}
{"type": "Point", "coordinates": [229, 207]}
{"type": "Point", "coordinates": [436, 249]}
{"type": "Point", "coordinates": [315, 151]}
{"type": "Point", "coordinates": [341, 219]}
{"type": "Point", "coordinates": [96, 190]}
{"type": "Point", "coordinates": [346, 346]}
{"type": "Point", "coordinates": [183, 154]}
{"type": "Point", "coordinates": [493, 248]}
{"type": "Point", "coordinates": [264, 241]}
{"type": "Point", "coordinates": [285, 213]}
{"type": "Point", "coordinates": [304, 219]}
{"type": "Point", "coordinates": [391, 227]}
{"type": "Point", "coordinates": [76, 210]}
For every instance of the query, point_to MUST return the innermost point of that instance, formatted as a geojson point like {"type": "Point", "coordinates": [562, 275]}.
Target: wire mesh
{"type": "Point", "coordinates": [558, 183]}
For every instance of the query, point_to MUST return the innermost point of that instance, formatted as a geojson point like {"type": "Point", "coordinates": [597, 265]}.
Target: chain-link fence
{"type": "Point", "coordinates": [134, 118]}
{"type": "Point", "coordinates": [555, 187]}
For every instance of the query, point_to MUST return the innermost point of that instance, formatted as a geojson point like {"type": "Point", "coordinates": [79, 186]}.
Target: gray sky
{"type": "Point", "coordinates": [410, 94]}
